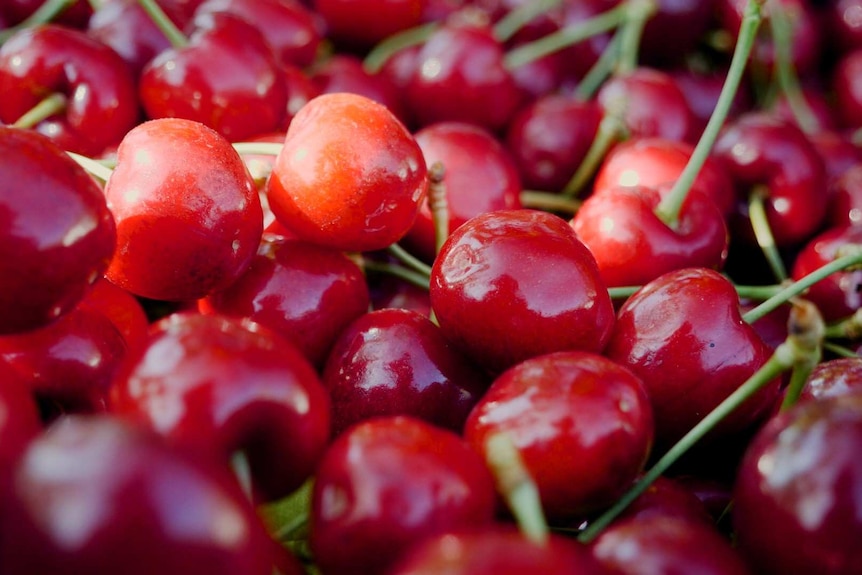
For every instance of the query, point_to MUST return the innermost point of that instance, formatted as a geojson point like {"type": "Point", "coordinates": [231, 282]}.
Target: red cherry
{"type": "Point", "coordinates": [675, 29]}
{"type": "Point", "coordinates": [226, 77]}
{"type": "Point", "coordinates": [512, 284]}
{"type": "Point", "coordinates": [220, 386]}
{"type": "Point", "coordinates": [188, 214]}
{"type": "Point", "coordinates": [349, 176]}
{"type": "Point", "coordinates": [93, 495]}
{"type": "Point", "coordinates": [100, 104]}
{"type": "Point", "coordinates": [362, 24]}
{"type": "Point", "coordinates": [397, 362]}
{"type": "Point", "coordinates": [305, 292]}
{"type": "Point", "coordinates": [845, 200]}
{"type": "Point", "coordinates": [668, 497]}
{"type": "Point", "coordinates": [123, 309]}
{"type": "Point", "coordinates": [582, 424]}
{"type": "Point", "coordinates": [57, 234]}
{"type": "Point", "coordinates": [389, 483]}
{"type": "Point", "coordinates": [844, 24]}
{"type": "Point", "coordinates": [797, 489]}
{"type": "Point", "coordinates": [838, 151]}
{"type": "Point", "coordinates": [832, 378]}
{"type": "Point", "coordinates": [847, 87]}
{"type": "Point", "coordinates": [682, 334]}
{"type": "Point", "coordinates": [701, 91]}
{"type": "Point", "coordinates": [19, 419]}
{"type": "Point", "coordinates": [479, 176]}
{"type": "Point", "coordinates": [74, 15]}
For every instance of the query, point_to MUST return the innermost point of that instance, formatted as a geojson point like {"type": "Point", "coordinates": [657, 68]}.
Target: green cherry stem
{"type": "Point", "coordinates": [785, 71]}
{"type": "Point", "coordinates": [399, 271]}
{"type": "Point", "coordinates": [164, 23]}
{"type": "Point", "coordinates": [92, 167]}
{"type": "Point", "coordinates": [847, 328]}
{"type": "Point", "coordinates": [670, 205]}
{"type": "Point", "coordinates": [611, 130]}
{"type": "Point", "coordinates": [549, 202]}
{"type": "Point", "coordinates": [520, 16]}
{"type": "Point", "coordinates": [838, 350]}
{"type": "Point", "coordinates": [382, 52]}
{"type": "Point", "coordinates": [601, 70]}
{"type": "Point", "coordinates": [409, 260]}
{"type": "Point", "coordinates": [763, 232]}
{"type": "Point", "coordinates": [810, 322]}
{"type": "Point", "coordinates": [51, 105]}
{"type": "Point", "coordinates": [46, 12]}
{"type": "Point", "coordinates": [802, 342]}
{"type": "Point", "coordinates": [288, 517]}
{"type": "Point", "coordinates": [258, 148]}
{"type": "Point", "coordinates": [638, 12]}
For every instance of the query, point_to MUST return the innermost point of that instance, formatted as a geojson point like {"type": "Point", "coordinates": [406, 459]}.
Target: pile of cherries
{"type": "Point", "coordinates": [414, 287]}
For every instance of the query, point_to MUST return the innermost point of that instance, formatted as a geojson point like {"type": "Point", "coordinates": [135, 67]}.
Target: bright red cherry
{"type": "Point", "coordinates": [512, 284]}
{"type": "Point", "coordinates": [391, 482]}
{"type": "Point", "coordinates": [350, 175]}
{"type": "Point", "coordinates": [582, 424]}
{"type": "Point", "coordinates": [57, 234]}
{"type": "Point", "coordinates": [188, 214]}
{"type": "Point", "coordinates": [221, 386]}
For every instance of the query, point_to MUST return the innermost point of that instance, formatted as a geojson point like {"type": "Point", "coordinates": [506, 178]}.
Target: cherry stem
{"type": "Point", "coordinates": [796, 288]}
{"type": "Point", "coordinates": [788, 80]}
{"type": "Point", "coordinates": [51, 105]}
{"type": "Point", "coordinates": [174, 35]}
{"type": "Point", "coordinates": [763, 232]}
{"type": "Point", "coordinates": [611, 129]}
{"type": "Point", "coordinates": [46, 12]}
{"type": "Point", "coordinates": [670, 205]}
{"type": "Point", "coordinates": [839, 350]}
{"type": "Point", "coordinates": [601, 70]}
{"type": "Point", "coordinates": [565, 37]}
{"type": "Point", "coordinates": [287, 517]}
{"type": "Point", "coordinates": [799, 346]}
{"type": "Point", "coordinates": [637, 14]}
{"type": "Point", "coordinates": [549, 202]}
{"type": "Point", "coordinates": [410, 276]}
{"type": "Point", "coordinates": [382, 52]}
{"type": "Point", "coordinates": [517, 486]}
{"type": "Point", "coordinates": [520, 16]}
{"type": "Point", "coordinates": [258, 148]}
{"type": "Point", "coordinates": [807, 321]}
{"type": "Point", "coordinates": [759, 293]}
{"type": "Point", "coordinates": [847, 328]}
{"type": "Point", "coordinates": [242, 471]}
{"type": "Point", "coordinates": [623, 292]}
{"type": "Point", "coordinates": [409, 260]}
{"type": "Point", "coordinates": [438, 204]}
{"type": "Point", "coordinates": [92, 167]}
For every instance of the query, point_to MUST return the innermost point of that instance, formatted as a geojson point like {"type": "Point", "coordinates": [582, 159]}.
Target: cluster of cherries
{"type": "Point", "coordinates": [413, 287]}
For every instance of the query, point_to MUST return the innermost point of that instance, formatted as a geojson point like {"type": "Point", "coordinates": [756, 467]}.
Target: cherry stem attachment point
{"type": "Point", "coordinates": [798, 347]}
{"type": "Point", "coordinates": [51, 105]}
{"type": "Point", "coordinates": [670, 205]}
{"type": "Point", "coordinates": [92, 167]}
{"type": "Point", "coordinates": [805, 320]}
{"type": "Point", "coordinates": [763, 233]}
{"type": "Point", "coordinates": [167, 27]}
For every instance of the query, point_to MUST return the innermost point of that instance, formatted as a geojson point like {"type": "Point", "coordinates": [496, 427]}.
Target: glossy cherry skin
{"type": "Point", "coordinates": [496, 550]}
{"type": "Point", "coordinates": [226, 77]}
{"type": "Point", "coordinates": [397, 362]}
{"type": "Point", "coordinates": [305, 292]}
{"type": "Point", "coordinates": [765, 152]}
{"type": "Point", "coordinates": [460, 76]}
{"type": "Point", "coordinates": [840, 294]}
{"type": "Point", "coordinates": [666, 544]}
{"type": "Point", "coordinates": [388, 483]}
{"type": "Point", "coordinates": [658, 163]}
{"type": "Point", "coordinates": [57, 234]}
{"type": "Point", "coordinates": [95, 495]}
{"type": "Point", "coordinates": [549, 138]}
{"type": "Point", "coordinates": [290, 28]}
{"type": "Point", "coordinates": [188, 214]}
{"type": "Point", "coordinates": [350, 175]}
{"type": "Point", "coordinates": [479, 176]}
{"type": "Point", "coordinates": [19, 419]}
{"type": "Point", "coordinates": [362, 24]}
{"type": "Point", "coordinates": [101, 105]}
{"type": "Point", "coordinates": [847, 87]}
{"type": "Point", "coordinates": [649, 103]}
{"type": "Point", "coordinates": [632, 246]}
{"type": "Point", "coordinates": [796, 497]}
{"type": "Point", "coordinates": [123, 309]}
{"type": "Point", "coordinates": [832, 378]}
{"type": "Point", "coordinates": [682, 334]}
{"type": "Point", "coordinates": [668, 497]}
{"type": "Point", "coordinates": [220, 385]}
{"type": "Point", "coordinates": [512, 284]}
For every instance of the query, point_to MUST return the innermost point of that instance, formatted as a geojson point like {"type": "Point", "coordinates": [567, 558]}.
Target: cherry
{"type": "Point", "coordinates": [668, 497]}
{"type": "Point", "coordinates": [188, 214]}
{"type": "Point", "coordinates": [75, 14]}
{"type": "Point", "coordinates": [225, 76]}
{"type": "Point", "coordinates": [496, 550]}
{"type": "Point", "coordinates": [666, 544]}
{"type": "Point", "coordinates": [682, 334]}
{"type": "Point", "coordinates": [773, 158]}
{"type": "Point", "coordinates": [832, 378]}
{"type": "Point", "coordinates": [796, 494]}
{"type": "Point", "coordinates": [19, 419]}
{"type": "Point", "coordinates": [94, 495]}
{"type": "Point", "coordinates": [300, 89]}
{"type": "Point", "coordinates": [93, 84]}
{"type": "Point", "coordinates": [349, 176]}
{"type": "Point", "coordinates": [220, 385]}
{"type": "Point", "coordinates": [847, 87]}
{"type": "Point", "coordinates": [359, 25]}
{"type": "Point", "coordinates": [844, 24]}
{"type": "Point", "coordinates": [397, 362]}
{"type": "Point", "coordinates": [391, 482]}
{"type": "Point", "coordinates": [479, 175]}
{"type": "Point", "coordinates": [549, 139]}
{"type": "Point", "coordinates": [701, 91]}
{"type": "Point", "coordinates": [512, 284]}
{"type": "Point", "coordinates": [305, 292]}
{"type": "Point", "coordinates": [123, 309]}
{"type": "Point", "coordinates": [582, 424]}
{"type": "Point", "coordinates": [57, 234]}
{"type": "Point", "coordinates": [839, 154]}
{"type": "Point", "coordinates": [675, 29]}
{"type": "Point", "coordinates": [840, 294]}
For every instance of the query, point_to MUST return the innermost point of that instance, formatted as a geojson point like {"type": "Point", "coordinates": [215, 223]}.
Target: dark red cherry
{"type": "Point", "coordinates": [838, 151]}
{"type": "Point", "coordinates": [683, 335]}
{"type": "Point", "coordinates": [57, 235]}
{"type": "Point", "coordinates": [844, 24]}
{"type": "Point", "coordinates": [19, 419]}
{"type": "Point", "coordinates": [668, 497]}
{"type": "Point", "coordinates": [94, 495]}
{"type": "Point", "coordinates": [389, 483]}
{"type": "Point", "coordinates": [701, 91]}
{"type": "Point", "coordinates": [795, 507]}
{"type": "Point", "coordinates": [675, 29]}
{"type": "Point", "coordinates": [834, 377]}
{"type": "Point", "coordinates": [100, 103]}
{"type": "Point", "coordinates": [847, 87]}
{"type": "Point", "coordinates": [123, 309]}
{"type": "Point", "coordinates": [75, 14]}
{"type": "Point", "coordinates": [512, 284]}
{"type": "Point", "coordinates": [582, 424]}
{"type": "Point", "coordinates": [397, 362]}
{"type": "Point", "coordinates": [305, 292]}
{"type": "Point", "coordinates": [221, 386]}
{"type": "Point", "coordinates": [362, 24]}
